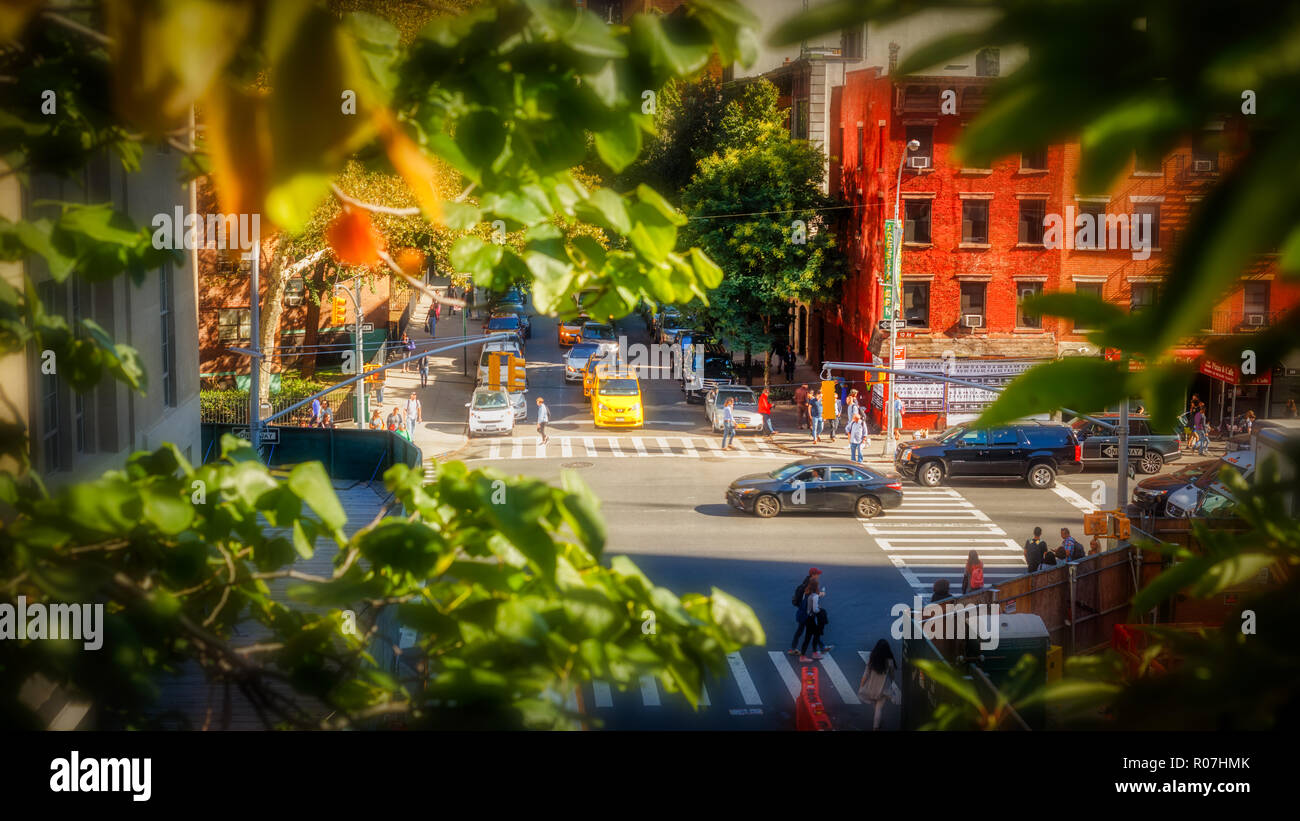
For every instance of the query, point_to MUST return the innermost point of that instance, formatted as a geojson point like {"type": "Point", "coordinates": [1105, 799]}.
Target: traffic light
{"type": "Point", "coordinates": [517, 376]}
{"type": "Point", "coordinates": [828, 399]}
{"type": "Point", "coordinates": [340, 314]}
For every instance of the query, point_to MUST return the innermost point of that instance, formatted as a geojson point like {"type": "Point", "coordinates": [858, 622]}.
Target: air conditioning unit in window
{"type": "Point", "coordinates": [972, 321]}
{"type": "Point", "coordinates": [918, 162]}
{"type": "Point", "coordinates": [1255, 319]}
{"type": "Point", "coordinates": [1203, 165]}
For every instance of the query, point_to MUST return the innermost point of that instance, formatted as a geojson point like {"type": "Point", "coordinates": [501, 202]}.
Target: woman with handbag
{"type": "Point", "coordinates": [814, 622]}
{"type": "Point", "coordinates": [878, 685]}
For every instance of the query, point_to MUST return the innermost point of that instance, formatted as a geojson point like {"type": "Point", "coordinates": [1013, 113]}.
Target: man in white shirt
{"type": "Point", "coordinates": [543, 416]}
{"type": "Point", "coordinates": [857, 438]}
{"type": "Point", "coordinates": [728, 425]}
{"type": "Point", "coordinates": [413, 413]}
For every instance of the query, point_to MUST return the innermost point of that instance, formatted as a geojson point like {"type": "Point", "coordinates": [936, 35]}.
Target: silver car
{"type": "Point", "coordinates": [600, 334]}
{"type": "Point", "coordinates": [744, 410]}
{"type": "Point", "coordinates": [575, 358]}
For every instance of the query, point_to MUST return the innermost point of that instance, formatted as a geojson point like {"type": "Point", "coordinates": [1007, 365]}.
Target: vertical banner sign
{"type": "Point", "coordinates": [893, 257]}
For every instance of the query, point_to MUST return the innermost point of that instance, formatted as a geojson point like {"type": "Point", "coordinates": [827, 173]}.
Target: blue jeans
{"type": "Point", "coordinates": [767, 419]}
{"type": "Point", "coordinates": [1202, 443]}
{"type": "Point", "coordinates": [816, 427]}
{"type": "Point", "coordinates": [728, 433]}
{"type": "Point", "coordinates": [855, 451]}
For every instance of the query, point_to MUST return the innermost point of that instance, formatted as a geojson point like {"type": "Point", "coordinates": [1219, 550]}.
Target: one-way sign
{"type": "Point", "coordinates": [899, 324]}
{"type": "Point", "coordinates": [270, 436]}
{"type": "Point", "coordinates": [1134, 451]}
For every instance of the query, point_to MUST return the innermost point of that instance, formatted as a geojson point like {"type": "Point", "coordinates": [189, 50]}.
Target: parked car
{"type": "Point", "coordinates": [525, 319]}
{"type": "Point", "coordinates": [1036, 451]}
{"type": "Point", "coordinates": [1151, 493]}
{"type": "Point", "coordinates": [671, 325]}
{"type": "Point", "coordinates": [490, 412]}
{"type": "Point", "coordinates": [817, 485]}
{"type": "Point", "coordinates": [718, 370]}
{"type": "Point", "coordinates": [575, 359]}
{"type": "Point", "coordinates": [505, 323]}
{"type": "Point", "coordinates": [1101, 443]}
{"type": "Point", "coordinates": [509, 346]}
{"type": "Point", "coordinates": [1189, 499]}
{"type": "Point", "coordinates": [744, 411]}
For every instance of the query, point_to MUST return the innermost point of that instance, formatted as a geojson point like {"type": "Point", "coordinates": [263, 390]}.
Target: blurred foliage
{"type": "Point", "coordinates": [753, 206]}
{"type": "Point", "coordinates": [688, 128]}
{"type": "Point", "coordinates": [1157, 73]}
{"type": "Point", "coordinates": [501, 101]}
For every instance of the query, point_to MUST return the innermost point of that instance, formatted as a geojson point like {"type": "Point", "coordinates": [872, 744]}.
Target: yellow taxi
{"type": "Point", "coordinates": [615, 398]}
{"type": "Point", "coordinates": [569, 331]}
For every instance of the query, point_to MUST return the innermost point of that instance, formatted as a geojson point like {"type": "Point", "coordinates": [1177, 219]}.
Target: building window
{"type": "Point", "coordinates": [1090, 289]}
{"type": "Point", "coordinates": [1086, 239]}
{"type": "Point", "coordinates": [975, 222]}
{"type": "Point", "coordinates": [851, 42]}
{"type": "Point", "coordinates": [167, 330]}
{"type": "Point", "coordinates": [1149, 234]}
{"type": "Point", "coordinates": [862, 148]}
{"type": "Point", "coordinates": [972, 303]}
{"type": "Point", "coordinates": [916, 304]}
{"type": "Point", "coordinates": [1148, 163]}
{"type": "Point", "coordinates": [1143, 297]}
{"type": "Point", "coordinates": [916, 221]}
{"type": "Point", "coordinates": [1025, 290]}
{"type": "Point", "coordinates": [923, 134]}
{"type": "Point", "coordinates": [1034, 160]}
{"type": "Point", "coordinates": [800, 130]}
{"type": "Point", "coordinates": [986, 62]}
{"type": "Point", "coordinates": [235, 325]}
{"type": "Point", "coordinates": [1205, 156]}
{"type": "Point", "coordinates": [1255, 300]}
{"type": "Point", "coordinates": [1032, 214]}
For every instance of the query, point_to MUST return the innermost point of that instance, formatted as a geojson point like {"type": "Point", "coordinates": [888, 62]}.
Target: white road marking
{"type": "Point", "coordinates": [649, 691]}
{"type": "Point", "coordinates": [591, 445]}
{"type": "Point", "coordinates": [689, 448]}
{"type": "Point", "coordinates": [640, 448]}
{"type": "Point", "coordinates": [665, 448]}
{"type": "Point", "coordinates": [1074, 498]}
{"type": "Point", "coordinates": [747, 689]}
{"type": "Point", "coordinates": [566, 447]}
{"type": "Point", "coordinates": [494, 450]}
{"type": "Point", "coordinates": [613, 447]}
{"type": "Point", "coordinates": [841, 684]}
{"type": "Point", "coordinates": [788, 675]}
{"type": "Point", "coordinates": [517, 452]}
{"type": "Point", "coordinates": [604, 698]}
{"type": "Point", "coordinates": [541, 448]}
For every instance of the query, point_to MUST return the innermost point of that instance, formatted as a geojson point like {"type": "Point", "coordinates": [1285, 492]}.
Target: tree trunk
{"type": "Point", "coordinates": [311, 334]}
{"type": "Point", "coordinates": [272, 308]}
{"type": "Point", "coordinates": [767, 354]}
{"type": "Point", "coordinates": [749, 366]}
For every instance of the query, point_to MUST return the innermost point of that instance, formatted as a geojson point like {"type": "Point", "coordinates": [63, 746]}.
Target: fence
{"type": "Point", "coordinates": [231, 408]}
{"type": "Point", "coordinates": [347, 453]}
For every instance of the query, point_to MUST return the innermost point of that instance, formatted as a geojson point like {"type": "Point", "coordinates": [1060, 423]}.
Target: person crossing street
{"type": "Point", "coordinates": [543, 416]}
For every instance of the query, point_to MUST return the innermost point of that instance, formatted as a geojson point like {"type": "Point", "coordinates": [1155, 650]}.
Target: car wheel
{"type": "Point", "coordinates": [930, 474]}
{"type": "Point", "coordinates": [1041, 476]}
{"type": "Point", "coordinates": [868, 507]}
{"type": "Point", "coordinates": [767, 506]}
{"type": "Point", "coordinates": [1152, 462]}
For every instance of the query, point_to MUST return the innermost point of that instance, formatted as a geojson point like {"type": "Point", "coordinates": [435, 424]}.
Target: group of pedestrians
{"type": "Point", "coordinates": [400, 420]}
{"type": "Point", "coordinates": [1038, 555]}
{"type": "Point", "coordinates": [878, 685]}
{"type": "Point", "coordinates": [321, 415]}
{"type": "Point", "coordinates": [1200, 428]}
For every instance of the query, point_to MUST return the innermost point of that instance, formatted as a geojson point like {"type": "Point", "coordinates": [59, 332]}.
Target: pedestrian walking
{"type": "Point", "coordinates": [815, 416]}
{"type": "Point", "coordinates": [424, 371]}
{"type": "Point", "coordinates": [973, 579]}
{"type": "Point", "coordinates": [728, 424]}
{"type": "Point", "coordinates": [789, 366]}
{"type": "Point", "coordinates": [376, 421]}
{"type": "Point", "coordinates": [835, 418]}
{"type": "Point", "coordinates": [896, 408]}
{"type": "Point", "coordinates": [765, 410]}
{"type": "Point", "coordinates": [1292, 411]}
{"type": "Point", "coordinates": [939, 591]}
{"type": "Point", "coordinates": [394, 420]}
{"type": "Point", "coordinates": [878, 685]}
{"type": "Point", "coordinates": [816, 619]}
{"type": "Point", "coordinates": [1035, 548]}
{"type": "Point", "coordinates": [857, 438]}
{"type": "Point", "coordinates": [326, 415]}
{"type": "Point", "coordinates": [798, 602]}
{"type": "Point", "coordinates": [1200, 431]}
{"type": "Point", "coordinates": [431, 321]}
{"type": "Point", "coordinates": [409, 346]}
{"type": "Point", "coordinates": [1250, 421]}
{"type": "Point", "coordinates": [801, 403]}
{"type": "Point", "coordinates": [850, 406]}
{"type": "Point", "coordinates": [1070, 549]}
{"type": "Point", "coordinates": [414, 413]}
{"type": "Point", "coordinates": [315, 412]}
{"type": "Point", "coordinates": [543, 416]}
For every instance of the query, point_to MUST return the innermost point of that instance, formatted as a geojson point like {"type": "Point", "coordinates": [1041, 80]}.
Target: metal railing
{"type": "Point", "coordinates": [231, 408]}
{"type": "Point", "coordinates": [1240, 320]}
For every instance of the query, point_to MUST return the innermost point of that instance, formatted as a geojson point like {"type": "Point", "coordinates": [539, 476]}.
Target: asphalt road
{"type": "Point", "coordinates": [661, 489]}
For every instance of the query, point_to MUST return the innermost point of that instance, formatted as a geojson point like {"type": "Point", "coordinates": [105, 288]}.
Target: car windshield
{"type": "Point", "coordinates": [581, 353]}
{"type": "Point", "coordinates": [503, 323]}
{"type": "Point", "coordinates": [787, 471]}
{"type": "Point", "coordinates": [741, 397]}
{"type": "Point", "coordinates": [597, 332]}
{"type": "Point", "coordinates": [951, 433]}
{"type": "Point", "coordinates": [618, 387]}
{"type": "Point", "coordinates": [490, 401]}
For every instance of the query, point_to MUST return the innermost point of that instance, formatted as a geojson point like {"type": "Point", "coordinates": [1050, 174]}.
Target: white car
{"type": "Point", "coordinates": [490, 412]}
{"type": "Point", "coordinates": [744, 410]}
{"type": "Point", "coordinates": [498, 346]}
{"type": "Point", "coordinates": [599, 333]}
{"type": "Point", "coordinates": [575, 358]}
{"type": "Point", "coordinates": [517, 404]}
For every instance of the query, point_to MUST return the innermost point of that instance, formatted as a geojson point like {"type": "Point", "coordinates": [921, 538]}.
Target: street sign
{"type": "Point", "coordinates": [270, 436]}
{"type": "Point", "coordinates": [893, 260]}
{"type": "Point", "coordinates": [900, 358]}
{"type": "Point", "coordinates": [367, 327]}
{"type": "Point", "coordinates": [884, 325]}
{"type": "Point", "coordinates": [1134, 451]}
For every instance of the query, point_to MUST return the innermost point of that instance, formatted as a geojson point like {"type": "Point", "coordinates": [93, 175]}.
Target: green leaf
{"type": "Point", "coordinates": [618, 146]}
{"type": "Point", "coordinates": [165, 510]}
{"type": "Point", "coordinates": [1084, 384]}
{"type": "Point", "coordinates": [735, 618]}
{"type": "Point", "coordinates": [311, 483]}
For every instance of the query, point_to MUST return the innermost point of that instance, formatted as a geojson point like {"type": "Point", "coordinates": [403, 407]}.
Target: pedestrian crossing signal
{"type": "Point", "coordinates": [828, 399]}
{"type": "Point", "coordinates": [340, 314]}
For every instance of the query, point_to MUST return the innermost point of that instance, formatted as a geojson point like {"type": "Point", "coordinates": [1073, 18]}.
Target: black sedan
{"type": "Point", "coordinates": [817, 485]}
{"type": "Point", "coordinates": [1151, 494]}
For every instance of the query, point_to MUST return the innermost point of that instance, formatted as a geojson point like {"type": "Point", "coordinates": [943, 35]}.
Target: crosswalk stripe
{"type": "Point", "coordinates": [704, 697]}
{"type": "Point", "coordinates": [649, 691]}
{"type": "Point", "coordinates": [566, 447]}
{"type": "Point", "coordinates": [613, 448]}
{"type": "Point", "coordinates": [841, 684]}
{"type": "Point", "coordinates": [591, 445]}
{"type": "Point", "coordinates": [494, 450]}
{"type": "Point", "coordinates": [747, 689]}
{"type": "Point", "coordinates": [788, 675]}
{"type": "Point", "coordinates": [689, 448]}
{"type": "Point", "coordinates": [735, 443]}
{"type": "Point", "coordinates": [517, 452]}
{"type": "Point", "coordinates": [604, 698]}
{"type": "Point", "coordinates": [541, 448]}
{"type": "Point", "coordinates": [664, 447]}
{"type": "Point", "coordinates": [640, 448]}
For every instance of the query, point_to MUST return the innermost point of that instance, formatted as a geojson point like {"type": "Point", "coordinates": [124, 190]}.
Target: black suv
{"type": "Point", "coordinates": [1036, 451]}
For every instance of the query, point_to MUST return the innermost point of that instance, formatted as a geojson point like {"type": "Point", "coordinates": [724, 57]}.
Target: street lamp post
{"type": "Point", "coordinates": [896, 295]}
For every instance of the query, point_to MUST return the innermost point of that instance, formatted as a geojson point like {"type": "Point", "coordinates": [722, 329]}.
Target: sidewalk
{"type": "Point", "coordinates": [448, 391]}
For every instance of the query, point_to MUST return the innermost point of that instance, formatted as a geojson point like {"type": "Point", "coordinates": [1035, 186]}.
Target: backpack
{"type": "Point", "coordinates": [797, 599]}
{"type": "Point", "coordinates": [977, 576]}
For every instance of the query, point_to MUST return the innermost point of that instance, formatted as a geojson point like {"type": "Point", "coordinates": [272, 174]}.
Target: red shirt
{"type": "Point", "coordinates": [764, 404]}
